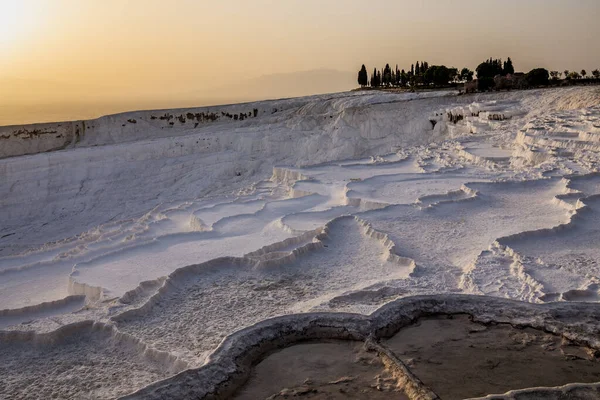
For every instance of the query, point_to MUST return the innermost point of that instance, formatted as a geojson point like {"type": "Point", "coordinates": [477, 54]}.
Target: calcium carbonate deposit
{"type": "Point", "coordinates": [132, 245]}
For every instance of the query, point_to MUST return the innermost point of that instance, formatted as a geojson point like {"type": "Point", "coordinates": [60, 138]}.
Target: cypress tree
{"type": "Point", "coordinates": [387, 75]}
{"type": "Point", "coordinates": [508, 67]}
{"type": "Point", "coordinates": [363, 76]}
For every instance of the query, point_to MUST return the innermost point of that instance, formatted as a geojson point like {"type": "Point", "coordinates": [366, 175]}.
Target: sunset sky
{"type": "Point", "coordinates": [186, 50]}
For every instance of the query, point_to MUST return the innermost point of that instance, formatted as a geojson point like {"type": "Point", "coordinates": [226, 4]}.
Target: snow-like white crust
{"type": "Point", "coordinates": [179, 235]}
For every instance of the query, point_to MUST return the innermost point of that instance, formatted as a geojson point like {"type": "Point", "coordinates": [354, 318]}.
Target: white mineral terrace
{"type": "Point", "coordinates": [132, 245]}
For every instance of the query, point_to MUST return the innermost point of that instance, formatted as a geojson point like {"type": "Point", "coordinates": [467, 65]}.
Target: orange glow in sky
{"type": "Point", "coordinates": [157, 53]}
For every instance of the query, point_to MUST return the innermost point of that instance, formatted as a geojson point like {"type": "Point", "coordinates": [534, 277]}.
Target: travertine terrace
{"type": "Point", "coordinates": [175, 253]}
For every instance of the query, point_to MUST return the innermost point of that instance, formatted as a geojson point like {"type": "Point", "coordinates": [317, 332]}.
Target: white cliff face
{"type": "Point", "coordinates": [176, 228]}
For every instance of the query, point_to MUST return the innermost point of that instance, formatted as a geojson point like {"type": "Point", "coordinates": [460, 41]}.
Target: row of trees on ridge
{"type": "Point", "coordinates": [491, 74]}
{"type": "Point", "coordinates": [420, 74]}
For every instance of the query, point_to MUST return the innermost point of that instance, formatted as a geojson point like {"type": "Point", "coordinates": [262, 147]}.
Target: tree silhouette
{"type": "Point", "coordinates": [486, 71]}
{"type": "Point", "coordinates": [567, 74]}
{"type": "Point", "coordinates": [466, 74]}
{"type": "Point", "coordinates": [596, 73]}
{"type": "Point", "coordinates": [454, 75]}
{"type": "Point", "coordinates": [508, 67]}
{"type": "Point", "coordinates": [374, 80]}
{"type": "Point", "coordinates": [427, 76]}
{"type": "Point", "coordinates": [490, 68]}
{"type": "Point", "coordinates": [583, 73]}
{"type": "Point", "coordinates": [439, 75]}
{"type": "Point", "coordinates": [537, 77]}
{"type": "Point", "coordinates": [387, 75]}
{"type": "Point", "coordinates": [363, 76]}
{"type": "Point", "coordinates": [412, 80]}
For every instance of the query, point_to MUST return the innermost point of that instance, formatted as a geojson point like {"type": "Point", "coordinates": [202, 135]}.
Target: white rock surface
{"type": "Point", "coordinates": [177, 235]}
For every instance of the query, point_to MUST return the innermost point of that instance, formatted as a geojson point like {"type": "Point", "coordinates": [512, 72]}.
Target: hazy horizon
{"type": "Point", "coordinates": [153, 54]}
{"type": "Point", "coordinates": [267, 87]}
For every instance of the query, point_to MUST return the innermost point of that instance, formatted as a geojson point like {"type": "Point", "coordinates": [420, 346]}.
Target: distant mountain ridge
{"type": "Point", "coordinates": [280, 85]}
